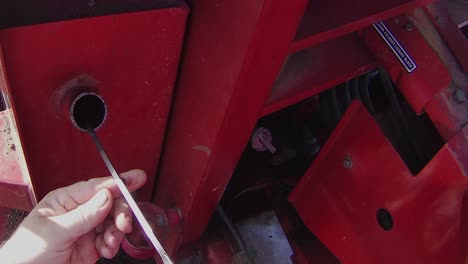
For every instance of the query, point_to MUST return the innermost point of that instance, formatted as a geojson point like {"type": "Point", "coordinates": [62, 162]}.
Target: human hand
{"type": "Point", "coordinates": [75, 224]}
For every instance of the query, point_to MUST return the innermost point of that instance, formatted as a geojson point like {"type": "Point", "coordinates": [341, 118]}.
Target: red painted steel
{"type": "Point", "coordinates": [326, 20]}
{"type": "Point", "coordinates": [437, 38]}
{"type": "Point", "coordinates": [430, 76]}
{"type": "Point", "coordinates": [133, 57]}
{"type": "Point", "coordinates": [313, 70]}
{"type": "Point", "coordinates": [233, 54]}
{"type": "Point", "coordinates": [450, 32]}
{"type": "Point", "coordinates": [448, 116]}
{"type": "Point", "coordinates": [339, 204]}
{"type": "Point", "coordinates": [219, 252]}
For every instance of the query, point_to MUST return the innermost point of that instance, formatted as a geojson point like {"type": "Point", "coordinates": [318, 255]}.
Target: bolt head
{"type": "Point", "coordinates": [409, 27]}
{"type": "Point", "coordinates": [459, 96]}
{"type": "Point", "coordinates": [261, 136]}
{"type": "Point", "coordinates": [348, 162]}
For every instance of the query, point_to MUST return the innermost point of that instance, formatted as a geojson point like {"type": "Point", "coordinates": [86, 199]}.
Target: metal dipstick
{"type": "Point", "coordinates": [131, 202]}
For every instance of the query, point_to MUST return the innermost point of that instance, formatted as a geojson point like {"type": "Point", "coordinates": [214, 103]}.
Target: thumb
{"type": "Point", "coordinates": [87, 216]}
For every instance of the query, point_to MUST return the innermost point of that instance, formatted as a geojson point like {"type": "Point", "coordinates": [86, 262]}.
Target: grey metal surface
{"type": "Point", "coordinates": [265, 239]}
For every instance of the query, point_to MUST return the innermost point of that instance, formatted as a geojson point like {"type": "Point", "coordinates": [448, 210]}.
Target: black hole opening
{"type": "Point", "coordinates": [89, 112]}
{"type": "Point", "coordinates": [385, 219]}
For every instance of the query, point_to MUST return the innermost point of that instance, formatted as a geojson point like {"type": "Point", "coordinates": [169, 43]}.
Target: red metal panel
{"type": "Point", "coordinates": [219, 252]}
{"type": "Point", "coordinates": [326, 20]}
{"type": "Point", "coordinates": [430, 76]}
{"type": "Point", "coordinates": [452, 35]}
{"type": "Point", "coordinates": [448, 115]}
{"type": "Point", "coordinates": [311, 71]}
{"type": "Point", "coordinates": [134, 59]}
{"type": "Point", "coordinates": [233, 54]}
{"type": "Point", "coordinates": [339, 204]}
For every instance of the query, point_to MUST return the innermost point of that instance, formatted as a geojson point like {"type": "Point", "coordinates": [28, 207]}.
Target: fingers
{"type": "Point", "coordinates": [82, 191]}
{"type": "Point", "coordinates": [122, 218]}
{"type": "Point", "coordinates": [108, 243]}
{"type": "Point", "coordinates": [104, 225]}
{"type": "Point", "coordinates": [123, 215]}
{"type": "Point", "coordinates": [86, 216]}
{"type": "Point", "coordinates": [113, 237]}
{"type": "Point", "coordinates": [102, 248]}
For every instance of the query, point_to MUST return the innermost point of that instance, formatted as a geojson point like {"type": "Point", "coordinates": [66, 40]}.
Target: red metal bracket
{"type": "Point", "coordinates": [363, 203]}
{"type": "Point", "coordinates": [430, 76]}
{"type": "Point", "coordinates": [230, 64]}
{"type": "Point", "coordinates": [132, 56]}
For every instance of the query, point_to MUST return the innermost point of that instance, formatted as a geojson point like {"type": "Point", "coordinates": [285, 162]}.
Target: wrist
{"type": "Point", "coordinates": [5, 255]}
{"type": "Point", "coordinates": [21, 248]}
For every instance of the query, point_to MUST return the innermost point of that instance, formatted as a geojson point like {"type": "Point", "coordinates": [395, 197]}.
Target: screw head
{"type": "Point", "coordinates": [348, 162]}
{"type": "Point", "coordinates": [459, 96]}
{"type": "Point", "coordinates": [409, 26]}
{"type": "Point", "coordinates": [262, 140]}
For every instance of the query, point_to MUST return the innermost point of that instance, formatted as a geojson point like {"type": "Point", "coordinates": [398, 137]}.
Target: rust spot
{"type": "Point", "coordinates": [13, 147]}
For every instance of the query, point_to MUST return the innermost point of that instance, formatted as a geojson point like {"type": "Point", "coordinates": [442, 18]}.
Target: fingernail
{"type": "Point", "coordinates": [101, 198]}
{"type": "Point", "coordinates": [128, 218]}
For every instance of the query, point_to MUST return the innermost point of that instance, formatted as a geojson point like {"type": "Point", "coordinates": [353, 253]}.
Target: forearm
{"type": "Point", "coordinates": [6, 255]}
{"type": "Point", "coordinates": [22, 248]}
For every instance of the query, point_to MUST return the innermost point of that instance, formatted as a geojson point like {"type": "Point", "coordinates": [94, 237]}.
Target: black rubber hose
{"type": "Point", "coordinates": [334, 107]}
{"type": "Point", "coordinates": [355, 89]}
{"type": "Point", "coordinates": [391, 95]}
{"type": "Point", "coordinates": [364, 88]}
{"type": "Point", "coordinates": [346, 97]}
{"type": "Point", "coordinates": [325, 109]}
{"type": "Point", "coordinates": [395, 104]}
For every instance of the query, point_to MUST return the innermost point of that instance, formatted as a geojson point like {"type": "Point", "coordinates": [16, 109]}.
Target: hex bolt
{"type": "Point", "coordinates": [409, 26]}
{"type": "Point", "coordinates": [459, 96]}
{"type": "Point", "coordinates": [262, 140]}
{"type": "Point", "coordinates": [267, 142]}
{"type": "Point", "coordinates": [348, 162]}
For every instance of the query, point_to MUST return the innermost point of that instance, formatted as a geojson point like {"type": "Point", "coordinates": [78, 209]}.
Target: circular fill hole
{"type": "Point", "coordinates": [385, 219]}
{"type": "Point", "coordinates": [88, 111]}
